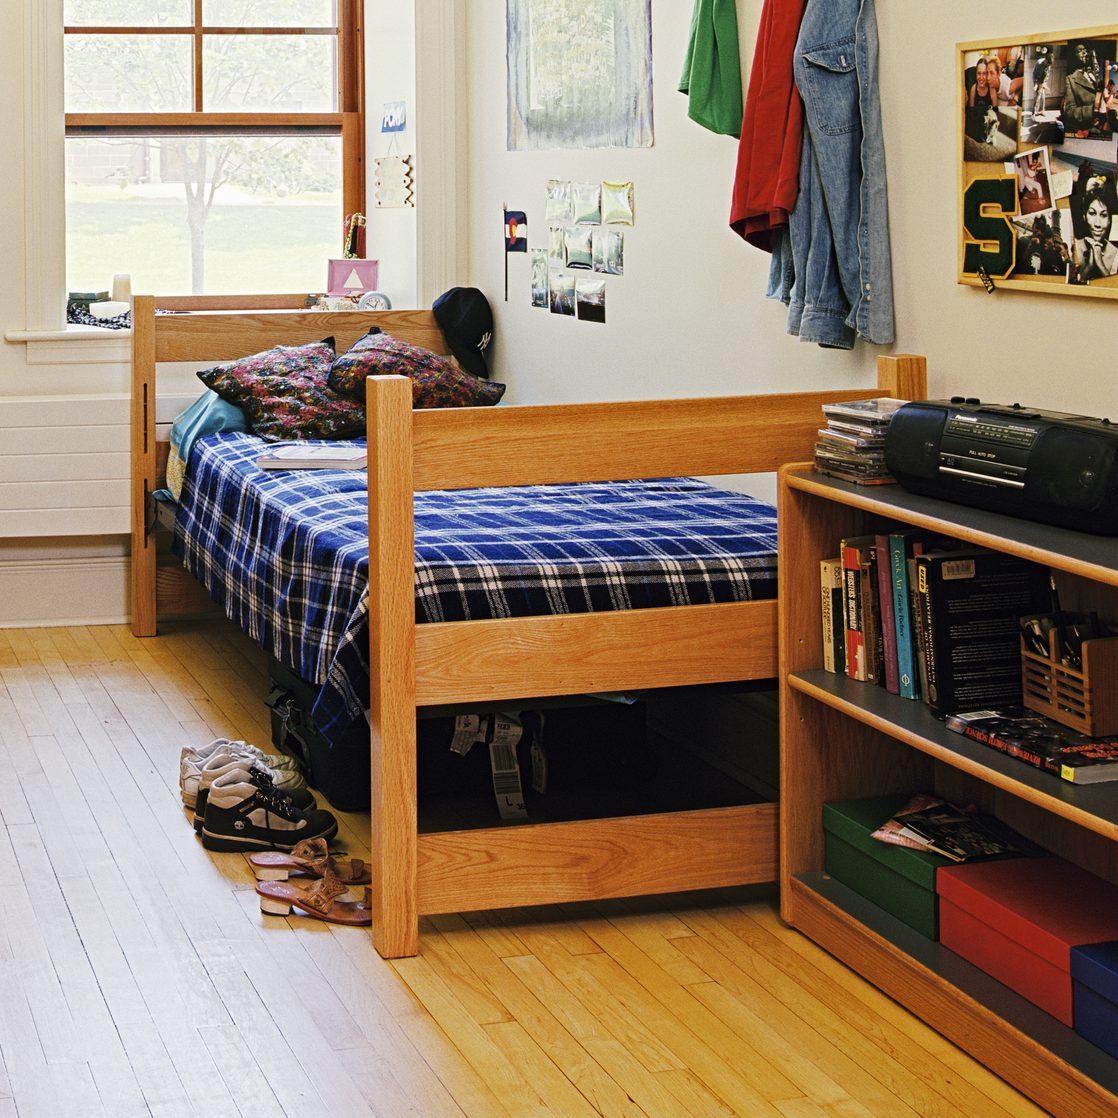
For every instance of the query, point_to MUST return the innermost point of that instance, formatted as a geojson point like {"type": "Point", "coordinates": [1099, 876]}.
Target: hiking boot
{"type": "Point", "coordinates": [241, 816]}
{"type": "Point", "coordinates": [221, 763]}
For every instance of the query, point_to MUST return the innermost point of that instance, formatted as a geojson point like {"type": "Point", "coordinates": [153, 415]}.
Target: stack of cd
{"type": "Point", "coordinates": [852, 445]}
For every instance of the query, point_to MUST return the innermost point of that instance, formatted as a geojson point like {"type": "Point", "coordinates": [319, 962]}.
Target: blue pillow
{"type": "Point", "coordinates": [208, 415]}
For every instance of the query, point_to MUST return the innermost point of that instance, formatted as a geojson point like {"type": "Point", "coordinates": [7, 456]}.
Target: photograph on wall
{"type": "Point", "coordinates": [1042, 102]}
{"type": "Point", "coordinates": [990, 98]}
{"type": "Point", "coordinates": [1090, 65]}
{"type": "Point", "coordinates": [539, 277]}
{"type": "Point", "coordinates": [562, 293]}
{"type": "Point", "coordinates": [1093, 207]}
{"type": "Point", "coordinates": [579, 74]}
{"type": "Point", "coordinates": [598, 248]}
{"type": "Point", "coordinates": [1043, 243]}
{"type": "Point", "coordinates": [557, 200]}
{"type": "Point", "coordinates": [577, 246]}
{"type": "Point", "coordinates": [1034, 189]}
{"type": "Point", "coordinates": [615, 252]}
{"type": "Point", "coordinates": [555, 245]}
{"type": "Point", "coordinates": [617, 203]}
{"type": "Point", "coordinates": [590, 293]}
{"type": "Point", "coordinates": [586, 202]}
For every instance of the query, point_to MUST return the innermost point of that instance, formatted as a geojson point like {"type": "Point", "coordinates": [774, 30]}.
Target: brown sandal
{"type": "Point", "coordinates": [320, 900]}
{"type": "Point", "coordinates": [310, 857]}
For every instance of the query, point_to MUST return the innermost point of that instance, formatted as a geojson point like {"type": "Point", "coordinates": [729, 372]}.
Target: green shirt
{"type": "Point", "coordinates": [712, 70]}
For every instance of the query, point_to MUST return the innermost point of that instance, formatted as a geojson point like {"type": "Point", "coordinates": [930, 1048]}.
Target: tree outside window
{"type": "Point", "coordinates": [213, 146]}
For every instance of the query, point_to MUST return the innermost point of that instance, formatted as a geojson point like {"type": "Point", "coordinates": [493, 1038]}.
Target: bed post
{"type": "Point", "coordinates": [392, 666]}
{"type": "Point", "coordinates": [903, 376]}
{"type": "Point", "coordinates": [143, 464]}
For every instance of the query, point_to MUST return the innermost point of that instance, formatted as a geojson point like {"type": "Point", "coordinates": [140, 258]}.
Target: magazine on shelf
{"type": "Point", "coordinates": [1040, 742]}
{"type": "Point", "coordinates": [956, 833]}
{"type": "Point", "coordinates": [313, 456]}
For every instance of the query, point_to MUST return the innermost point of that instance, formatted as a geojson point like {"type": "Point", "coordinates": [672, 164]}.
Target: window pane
{"type": "Point", "coordinates": [129, 74]}
{"type": "Point", "coordinates": [269, 74]}
{"type": "Point", "coordinates": [128, 13]}
{"type": "Point", "coordinates": [269, 13]}
{"type": "Point", "coordinates": [135, 206]}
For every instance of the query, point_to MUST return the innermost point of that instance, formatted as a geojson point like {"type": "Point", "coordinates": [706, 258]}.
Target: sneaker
{"type": "Point", "coordinates": [221, 763]}
{"type": "Point", "coordinates": [286, 774]}
{"type": "Point", "coordinates": [241, 816]}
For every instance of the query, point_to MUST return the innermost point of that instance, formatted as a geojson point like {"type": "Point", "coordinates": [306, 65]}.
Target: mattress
{"type": "Point", "coordinates": [285, 554]}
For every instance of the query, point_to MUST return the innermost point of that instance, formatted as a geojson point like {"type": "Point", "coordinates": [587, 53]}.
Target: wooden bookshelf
{"type": "Point", "coordinates": [841, 739]}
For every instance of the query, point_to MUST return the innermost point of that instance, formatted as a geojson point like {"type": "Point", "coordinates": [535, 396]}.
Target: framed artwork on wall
{"type": "Point", "coordinates": [1038, 153]}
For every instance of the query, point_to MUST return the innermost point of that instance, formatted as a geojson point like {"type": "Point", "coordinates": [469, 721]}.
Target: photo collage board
{"type": "Point", "coordinates": [1039, 156]}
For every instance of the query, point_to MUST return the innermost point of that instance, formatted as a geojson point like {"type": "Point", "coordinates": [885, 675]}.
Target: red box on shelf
{"type": "Point", "coordinates": [1018, 921]}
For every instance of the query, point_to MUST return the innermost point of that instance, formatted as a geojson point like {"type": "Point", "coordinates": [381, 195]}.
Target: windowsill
{"type": "Point", "coordinates": [74, 345]}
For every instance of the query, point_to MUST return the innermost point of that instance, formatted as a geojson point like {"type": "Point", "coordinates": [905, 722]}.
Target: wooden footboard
{"type": "Point", "coordinates": [484, 660]}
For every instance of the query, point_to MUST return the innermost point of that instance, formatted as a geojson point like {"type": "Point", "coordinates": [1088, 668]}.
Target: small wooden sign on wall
{"type": "Point", "coordinates": [1038, 127]}
{"type": "Point", "coordinates": [394, 183]}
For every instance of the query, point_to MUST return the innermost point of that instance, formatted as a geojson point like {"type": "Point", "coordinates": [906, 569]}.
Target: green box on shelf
{"type": "Point", "coordinates": [897, 879]}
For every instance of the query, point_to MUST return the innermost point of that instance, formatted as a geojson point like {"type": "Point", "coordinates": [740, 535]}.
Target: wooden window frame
{"type": "Point", "coordinates": [348, 122]}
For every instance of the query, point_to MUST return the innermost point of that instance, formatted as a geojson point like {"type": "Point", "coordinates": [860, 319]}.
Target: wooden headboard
{"type": "Point", "coordinates": [207, 330]}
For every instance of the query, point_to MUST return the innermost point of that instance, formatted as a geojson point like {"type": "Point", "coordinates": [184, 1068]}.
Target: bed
{"type": "Point", "coordinates": [457, 662]}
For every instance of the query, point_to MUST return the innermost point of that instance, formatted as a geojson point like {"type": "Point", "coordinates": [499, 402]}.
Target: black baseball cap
{"type": "Point", "coordinates": [466, 320]}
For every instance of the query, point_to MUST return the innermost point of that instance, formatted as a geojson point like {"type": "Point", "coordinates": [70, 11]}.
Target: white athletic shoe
{"type": "Point", "coordinates": [286, 774]}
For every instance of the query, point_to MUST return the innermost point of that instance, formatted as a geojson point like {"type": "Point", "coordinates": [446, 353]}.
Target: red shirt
{"type": "Point", "coordinates": [768, 176]}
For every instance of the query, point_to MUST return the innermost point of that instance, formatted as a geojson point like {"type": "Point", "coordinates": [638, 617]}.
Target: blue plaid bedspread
{"type": "Point", "coordinates": [286, 554]}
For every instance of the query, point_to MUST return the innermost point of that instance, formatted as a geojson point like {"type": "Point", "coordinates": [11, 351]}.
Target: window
{"type": "Point", "coordinates": [212, 146]}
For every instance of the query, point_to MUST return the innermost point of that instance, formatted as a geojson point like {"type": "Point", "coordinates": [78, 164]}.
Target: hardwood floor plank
{"type": "Point", "coordinates": [138, 977]}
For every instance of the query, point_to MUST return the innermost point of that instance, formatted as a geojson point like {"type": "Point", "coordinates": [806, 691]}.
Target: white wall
{"type": "Point", "coordinates": [689, 316]}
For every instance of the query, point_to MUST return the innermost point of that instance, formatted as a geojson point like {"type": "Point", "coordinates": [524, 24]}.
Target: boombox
{"type": "Point", "coordinates": [1048, 466]}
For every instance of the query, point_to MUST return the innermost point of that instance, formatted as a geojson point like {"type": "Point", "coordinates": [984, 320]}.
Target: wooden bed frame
{"type": "Point", "coordinates": [414, 665]}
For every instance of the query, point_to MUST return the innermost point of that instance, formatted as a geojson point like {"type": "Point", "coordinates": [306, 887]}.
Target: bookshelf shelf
{"type": "Point", "coordinates": [1092, 806]}
{"type": "Point", "coordinates": [841, 739]}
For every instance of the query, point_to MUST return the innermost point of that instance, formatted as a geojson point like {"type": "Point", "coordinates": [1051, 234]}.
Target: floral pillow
{"type": "Point", "coordinates": [435, 381]}
{"type": "Point", "coordinates": [284, 393]}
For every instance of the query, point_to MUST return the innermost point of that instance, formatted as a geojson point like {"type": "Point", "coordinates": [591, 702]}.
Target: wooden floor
{"type": "Point", "coordinates": [137, 975]}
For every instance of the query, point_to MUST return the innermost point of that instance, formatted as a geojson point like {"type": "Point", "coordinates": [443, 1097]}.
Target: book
{"type": "Point", "coordinates": [851, 550]}
{"type": "Point", "coordinates": [871, 615]}
{"type": "Point", "coordinates": [830, 580]}
{"type": "Point", "coordinates": [970, 601]}
{"type": "Point", "coordinates": [1040, 742]}
{"type": "Point", "coordinates": [900, 546]}
{"type": "Point", "coordinates": [883, 566]}
{"type": "Point", "coordinates": [314, 456]}
{"type": "Point", "coordinates": [956, 833]}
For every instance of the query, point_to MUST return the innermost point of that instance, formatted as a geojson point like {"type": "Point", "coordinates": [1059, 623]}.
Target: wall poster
{"type": "Point", "coordinates": [1038, 126]}
{"type": "Point", "coordinates": [579, 73]}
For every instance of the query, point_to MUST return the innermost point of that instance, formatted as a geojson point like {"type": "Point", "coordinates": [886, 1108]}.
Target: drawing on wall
{"type": "Point", "coordinates": [579, 73]}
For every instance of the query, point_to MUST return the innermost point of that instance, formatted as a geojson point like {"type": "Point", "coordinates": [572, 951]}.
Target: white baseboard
{"type": "Point", "coordinates": [37, 593]}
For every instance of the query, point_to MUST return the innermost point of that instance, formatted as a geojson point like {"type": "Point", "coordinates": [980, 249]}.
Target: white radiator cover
{"type": "Point", "coordinates": [64, 463]}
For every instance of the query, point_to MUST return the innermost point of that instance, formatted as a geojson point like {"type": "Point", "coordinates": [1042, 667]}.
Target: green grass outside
{"type": "Point", "coordinates": [250, 247]}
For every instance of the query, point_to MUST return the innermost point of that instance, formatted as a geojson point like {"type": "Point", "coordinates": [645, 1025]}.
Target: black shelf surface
{"type": "Point", "coordinates": [1021, 1014]}
{"type": "Point", "coordinates": [1056, 547]}
{"type": "Point", "coordinates": [1092, 805]}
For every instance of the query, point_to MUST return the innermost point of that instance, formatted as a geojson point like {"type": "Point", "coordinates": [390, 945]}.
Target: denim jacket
{"type": "Point", "coordinates": [836, 273]}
